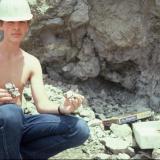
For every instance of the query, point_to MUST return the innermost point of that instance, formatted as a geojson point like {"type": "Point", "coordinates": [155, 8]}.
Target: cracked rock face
{"type": "Point", "coordinates": [82, 39]}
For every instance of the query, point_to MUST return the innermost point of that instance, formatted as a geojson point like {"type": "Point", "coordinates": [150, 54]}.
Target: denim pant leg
{"type": "Point", "coordinates": [46, 135]}
{"type": "Point", "coordinates": [11, 127]}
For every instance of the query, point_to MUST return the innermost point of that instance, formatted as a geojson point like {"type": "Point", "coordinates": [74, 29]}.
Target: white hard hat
{"type": "Point", "coordinates": [15, 10]}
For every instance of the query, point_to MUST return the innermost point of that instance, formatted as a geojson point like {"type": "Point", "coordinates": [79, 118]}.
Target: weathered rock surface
{"type": "Point", "coordinates": [82, 39]}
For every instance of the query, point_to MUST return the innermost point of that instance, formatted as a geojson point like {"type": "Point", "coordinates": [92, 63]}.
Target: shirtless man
{"type": "Point", "coordinates": [31, 136]}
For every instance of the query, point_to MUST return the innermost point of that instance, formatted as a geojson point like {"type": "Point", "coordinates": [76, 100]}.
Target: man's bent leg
{"type": "Point", "coordinates": [46, 135]}
{"type": "Point", "coordinates": [11, 124]}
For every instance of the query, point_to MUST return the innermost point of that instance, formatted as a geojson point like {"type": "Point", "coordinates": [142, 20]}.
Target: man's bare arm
{"type": "Point", "coordinates": [40, 98]}
{"type": "Point", "coordinates": [38, 91]}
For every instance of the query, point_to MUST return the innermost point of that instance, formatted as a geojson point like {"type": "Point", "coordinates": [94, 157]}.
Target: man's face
{"type": "Point", "coordinates": [14, 31]}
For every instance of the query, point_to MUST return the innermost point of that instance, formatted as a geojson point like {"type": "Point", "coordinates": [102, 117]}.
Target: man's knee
{"type": "Point", "coordinates": [82, 130]}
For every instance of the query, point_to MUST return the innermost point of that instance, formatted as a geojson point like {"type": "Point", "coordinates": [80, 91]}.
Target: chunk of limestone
{"type": "Point", "coordinates": [147, 134]}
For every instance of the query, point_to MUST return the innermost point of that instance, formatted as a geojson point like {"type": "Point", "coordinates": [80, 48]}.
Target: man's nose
{"type": "Point", "coordinates": [16, 25]}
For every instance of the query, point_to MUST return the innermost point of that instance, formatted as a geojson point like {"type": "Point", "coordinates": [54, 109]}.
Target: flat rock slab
{"type": "Point", "coordinates": [147, 134]}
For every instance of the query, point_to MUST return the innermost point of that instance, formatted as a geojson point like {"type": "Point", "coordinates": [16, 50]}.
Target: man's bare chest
{"type": "Point", "coordinates": [15, 72]}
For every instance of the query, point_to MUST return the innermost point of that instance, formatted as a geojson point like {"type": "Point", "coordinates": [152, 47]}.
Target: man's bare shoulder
{"type": "Point", "coordinates": [31, 61]}
{"type": "Point", "coordinates": [29, 58]}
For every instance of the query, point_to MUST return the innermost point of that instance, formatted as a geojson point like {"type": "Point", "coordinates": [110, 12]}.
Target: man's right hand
{"type": "Point", "coordinates": [5, 97]}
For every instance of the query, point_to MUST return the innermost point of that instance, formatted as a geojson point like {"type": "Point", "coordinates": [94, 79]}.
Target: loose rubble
{"type": "Point", "coordinates": [114, 142]}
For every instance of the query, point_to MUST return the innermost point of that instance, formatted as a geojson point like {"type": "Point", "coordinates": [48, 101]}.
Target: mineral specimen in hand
{"type": "Point", "coordinates": [11, 88]}
{"type": "Point", "coordinates": [70, 94]}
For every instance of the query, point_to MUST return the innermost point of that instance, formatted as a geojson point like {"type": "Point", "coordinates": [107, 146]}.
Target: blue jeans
{"type": "Point", "coordinates": [37, 136]}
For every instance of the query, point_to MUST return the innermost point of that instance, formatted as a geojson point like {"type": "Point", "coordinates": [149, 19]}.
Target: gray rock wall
{"type": "Point", "coordinates": [115, 39]}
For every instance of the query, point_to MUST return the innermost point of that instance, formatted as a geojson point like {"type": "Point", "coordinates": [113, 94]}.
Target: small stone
{"type": "Point", "coordinates": [156, 154]}
{"type": "Point", "coordinates": [101, 156]}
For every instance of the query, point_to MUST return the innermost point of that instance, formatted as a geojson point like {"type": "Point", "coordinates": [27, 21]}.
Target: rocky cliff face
{"type": "Point", "coordinates": [117, 40]}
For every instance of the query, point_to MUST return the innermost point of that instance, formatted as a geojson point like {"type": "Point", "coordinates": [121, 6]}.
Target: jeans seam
{"type": "Point", "coordinates": [4, 141]}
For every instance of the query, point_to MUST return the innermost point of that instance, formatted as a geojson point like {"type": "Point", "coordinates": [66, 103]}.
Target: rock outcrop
{"type": "Point", "coordinates": [117, 40]}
